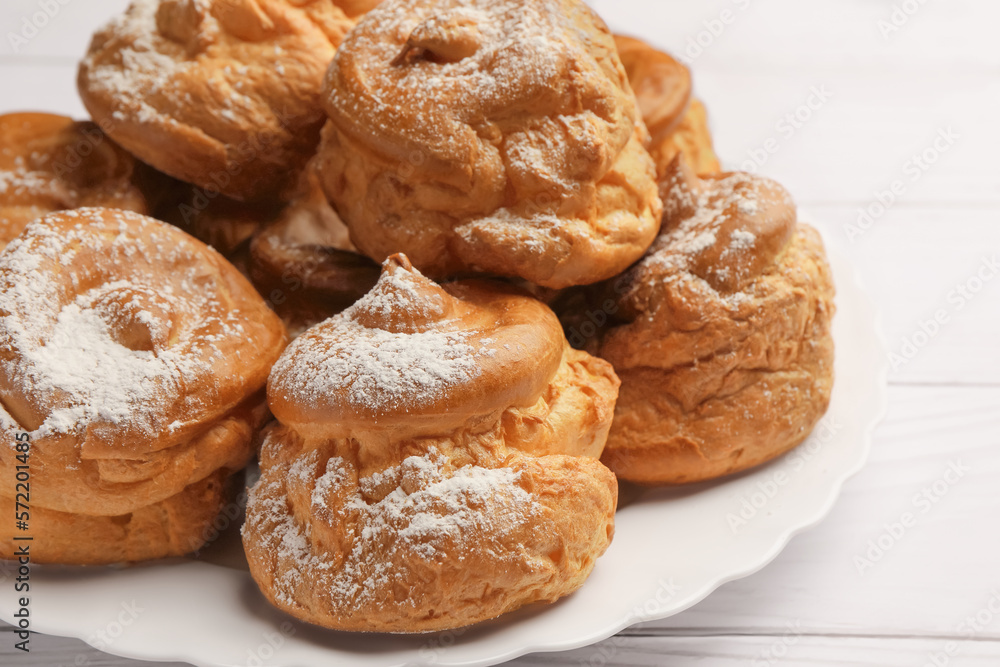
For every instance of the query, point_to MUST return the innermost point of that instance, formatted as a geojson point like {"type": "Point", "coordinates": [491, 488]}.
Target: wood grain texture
{"type": "Point", "coordinates": [890, 96]}
{"type": "Point", "coordinates": [789, 647]}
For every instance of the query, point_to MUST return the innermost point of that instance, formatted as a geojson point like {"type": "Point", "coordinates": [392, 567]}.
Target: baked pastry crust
{"type": "Point", "coordinates": [133, 356]}
{"type": "Point", "coordinates": [225, 224]}
{"type": "Point", "coordinates": [223, 94]}
{"type": "Point", "coordinates": [176, 526]}
{"type": "Point", "coordinates": [692, 138]}
{"type": "Point", "coordinates": [677, 122]}
{"type": "Point", "coordinates": [304, 263]}
{"type": "Point", "coordinates": [499, 137]}
{"type": "Point", "coordinates": [51, 163]}
{"type": "Point", "coordinates": [435, 465]}
{"type": "Point", "coordinates": [722, 338]}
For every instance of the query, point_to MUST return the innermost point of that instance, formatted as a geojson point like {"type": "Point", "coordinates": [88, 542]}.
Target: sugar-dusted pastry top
{"type": "Point", "coordinates": [724, 228]}
{"type": "Point", "coordinates": [414, 357]}
{"type": "Point", "coordinates": [498, 136]}
{"type": "Point", "coordinates": [125, 333]}
{"type": "Point", "coordinates": [52, 163]}
{"type": "Point", "coordinates": [219, 93]}
{"type": "Point", "coordinates": [720, 234]}
{"type": "Point", "coordinates": [447, 77]}
{"type": "Point", "coordinates": [435, 464]}
{"type": "Point", "coordinates": [722, 333]}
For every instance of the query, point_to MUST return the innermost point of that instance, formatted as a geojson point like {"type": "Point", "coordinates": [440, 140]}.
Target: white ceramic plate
{"type": "Point", "coordinates": [671, 549]}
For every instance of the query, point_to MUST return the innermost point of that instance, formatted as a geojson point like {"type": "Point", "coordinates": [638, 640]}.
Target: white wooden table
{"type": "Point", "coordinates": [838, 101]}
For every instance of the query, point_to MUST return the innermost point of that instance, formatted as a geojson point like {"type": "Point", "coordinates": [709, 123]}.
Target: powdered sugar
{"type": "Point", "coordinates": [141, 70]}
{"type": "Point", "coordinates": [21, 182]}
{"type": "Point", "coordinates": [399, 292]}
{"type": "Point", "coordinates": [63, 314]}
{"type": "Point", "coordinates": [101, 378]}
{"type": "Point", "coordinates": [382, 370]}
{"type": "Point", "coordinates": [504, 227]}
{"type": "Point", "coordinates": [381, 367]}
{"type": "Point", "coordinates": [491, 61]}
{"type": "Point", "coordinates": [703, 214]}
{"type": "Point", "coordinates": [425, 510]}
{"type": "Point", "coordinates": [742, 239]}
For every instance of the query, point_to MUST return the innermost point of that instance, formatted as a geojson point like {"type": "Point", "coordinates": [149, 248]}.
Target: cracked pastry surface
{"type": "Point", "coordinates": [722, 338]}
{"type": "Point", "coordinates": [499, 137]}
{"type": "Point", "coordinates": [435, 463]}
{"type": "Point", "coordinates": [224, 94]}
{"type": "Point", "coordinates": [134, 357]}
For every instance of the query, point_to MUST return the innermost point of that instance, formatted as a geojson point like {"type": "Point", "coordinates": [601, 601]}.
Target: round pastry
{"type": "Point", "coordinates": [721, 334]}
{"type": "Point", "coordinates": [223, 94]}
{"type": "Point", "coordinates": [435, 463]}
{"type": "Point", "coordinates": [676, 122]}
{"type": "Point", "coordinates": [51, 163]}
{"type": "Point", "coordinates": [304, 262]}
{"type": "Point", "coordinates": [499, 137]}
{"type": "Point", "coordinates": [133, 357]}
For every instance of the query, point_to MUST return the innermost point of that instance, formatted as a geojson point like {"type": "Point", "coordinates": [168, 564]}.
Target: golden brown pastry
{"type": "Point", "coordinates": [676, 122]}
{"type": "Point", "coordinates": [490, 136]}
{"type": "Point", "coordinates": [304, 262]}
{"type": "Point", "coordinates": [214, 219]}
{"type": "Point", "coordinates": [435, 463]}
{"type": "Point", "coordinates": [721, 334]}
{"type": "Point", "coordinates": [51, 163]}
{"type": "Point", "coordinates": [223, 94]}
{"type": "Point", "coordinates": [134, 357]}
{"type": "Point", "coordinates": [178, 525]}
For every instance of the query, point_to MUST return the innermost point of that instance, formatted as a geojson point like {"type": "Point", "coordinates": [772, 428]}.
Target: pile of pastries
{"type": "Point", "coordinates": [450, 269]}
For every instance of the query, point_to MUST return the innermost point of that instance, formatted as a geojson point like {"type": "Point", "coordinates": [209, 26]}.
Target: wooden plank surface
{"type": "Point", "coordinates": [881, 97]}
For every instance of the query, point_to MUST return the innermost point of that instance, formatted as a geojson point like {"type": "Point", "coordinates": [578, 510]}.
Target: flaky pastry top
{"type": "Point", "coordinates": [491, 137]}
{"type": "Point", "coordinates": [416, 358]}
{"type": "Point", "coordinates": [125, 333]}
{"type": "Point", "coordinates": [708, 270]}
{"type": "Point", "coordinates": [483, 91]}
{"type": "Point", "coordinates": [220, 93]}
{"type": "Point", "coordinates": [724, 228]}
{"type": "Point", "coordinates": [52, 163]}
